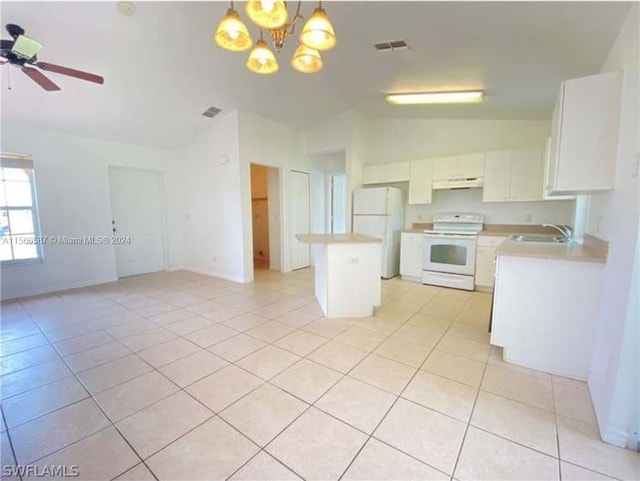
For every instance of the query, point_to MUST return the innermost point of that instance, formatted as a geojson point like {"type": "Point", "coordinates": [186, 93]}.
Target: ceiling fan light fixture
{"type": "Point", "coordinates": [306, 60]}
{"type": "Point", "coordinates": [269, 14]}
{"type": "Point", "coordinates": [262, 60]}
{"type": "Point", "coordinates": [232, 34]}
{"type": "Point", "coordinates": [318, 32]}
{"type": "Point", "coordinates": [468, 96]}
{"type": "Point", "coordinates": [25, 47]}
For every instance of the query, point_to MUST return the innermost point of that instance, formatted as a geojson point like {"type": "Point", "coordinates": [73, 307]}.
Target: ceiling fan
{"type": "Point", "coordinates": [21, 52]}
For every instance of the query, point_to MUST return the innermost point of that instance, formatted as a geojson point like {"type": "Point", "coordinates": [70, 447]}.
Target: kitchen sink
{"type": "Point", "coordinates": [546, 239]}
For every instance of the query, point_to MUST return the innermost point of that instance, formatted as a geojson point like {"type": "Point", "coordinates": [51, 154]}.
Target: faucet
{"type": "Point", "coordinates": [564, 230]}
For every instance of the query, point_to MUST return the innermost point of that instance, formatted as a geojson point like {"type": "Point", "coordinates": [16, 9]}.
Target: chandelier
{"type": "Point", "coordinates": [316, 35]}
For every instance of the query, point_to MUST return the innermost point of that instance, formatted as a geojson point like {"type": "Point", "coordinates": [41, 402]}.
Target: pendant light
{"type": "Point", "coordinates": [262, 60]}
{"type": "Point", "coordinates": [232, 34]}
{"type": "Point", "coordinates": [306, 60]}
{"type": "Point", "coordinates": [268, 14]}
{"type": "Point", "coordinates": [318, 32]}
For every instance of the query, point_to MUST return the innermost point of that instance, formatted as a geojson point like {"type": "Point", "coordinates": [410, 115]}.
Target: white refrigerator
{"type": "Point", "coordinates": [379, 212]}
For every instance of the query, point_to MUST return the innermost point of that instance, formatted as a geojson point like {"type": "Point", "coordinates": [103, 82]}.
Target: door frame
{"type": "Point", "coordinates": [284, 260]}
{"type": "Point", "coordinates": [329, 199]}
{"type": "Point", "coordinates": [159, 174]}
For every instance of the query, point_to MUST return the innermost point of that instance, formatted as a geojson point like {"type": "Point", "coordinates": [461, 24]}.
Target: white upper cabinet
{"type": "Point", "coordinates": [459, 166]}
{"type": "Point", "coordinates": [385, 173]}
{"type": "Point", "coordinates": [584, 134]}
{"type": "Point", "coordinates": [445, 167]}
{"type": "Point", "coordinates": [420, 182]}
{"type": "Point", "coordinates": [526, 174]}
{"type": "Point", "coordinates": [513, 175]}
{"type": "Point", "coordinates": [497, 176]}
{"type": "Point", "coordinates": [471, 165]}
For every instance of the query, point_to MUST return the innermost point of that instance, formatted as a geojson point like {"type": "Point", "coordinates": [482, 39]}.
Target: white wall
{"type": "Point", "coordinates": [398, 140]}
{"type": "Point", "coordinates": [74, 200]}
{"type": "Point", "coordinates": [554, 212]}
{"type": "Point", "coordinates": [213, 225]}
{"type": "Point", "coordinates": [614, 217]}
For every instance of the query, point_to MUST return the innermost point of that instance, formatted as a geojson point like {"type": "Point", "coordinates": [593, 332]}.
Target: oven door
{"type": "Point", "coordinates": [452, 253]}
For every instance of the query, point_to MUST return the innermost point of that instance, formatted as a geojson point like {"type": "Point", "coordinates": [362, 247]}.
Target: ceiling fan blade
{"type": "Point", "coordinates": [49, 67]}
{"type": "Point", "coordinates": [39, 78]}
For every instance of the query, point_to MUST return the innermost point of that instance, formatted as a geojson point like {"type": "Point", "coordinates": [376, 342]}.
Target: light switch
{"type": "Point", "coordinates": [353, 260]}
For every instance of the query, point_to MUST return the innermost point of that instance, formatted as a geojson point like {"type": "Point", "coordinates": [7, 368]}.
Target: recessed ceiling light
{"type": "Point", "coordinates": [126, 8]}
{"type": "Point", "coordinates": [470, 96]}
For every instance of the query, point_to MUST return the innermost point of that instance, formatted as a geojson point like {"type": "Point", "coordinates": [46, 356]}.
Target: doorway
{"type": "Point", "coordinates": [265, 217]}
{"type": "Point", "coordinates": [137, 206]}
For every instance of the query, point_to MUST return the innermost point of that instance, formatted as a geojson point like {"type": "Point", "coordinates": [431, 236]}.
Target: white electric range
{"type": "Point", "coordinates": [450, 250]}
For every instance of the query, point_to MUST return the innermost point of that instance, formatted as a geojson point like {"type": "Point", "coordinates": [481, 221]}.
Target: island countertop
{"type": "Point", "coordinates": [336, 238]}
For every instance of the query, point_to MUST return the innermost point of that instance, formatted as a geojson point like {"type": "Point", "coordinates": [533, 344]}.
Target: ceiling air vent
{"type": "Point", "coordinates": [391, 46]}
{"type": "Point", "coordinates": [211, 112]}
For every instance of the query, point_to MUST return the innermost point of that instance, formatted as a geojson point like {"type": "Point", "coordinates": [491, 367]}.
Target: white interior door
{"type": "Point", "coordinates": [300, 219]}
{"type": "Point", "coordinates": [136, 206]}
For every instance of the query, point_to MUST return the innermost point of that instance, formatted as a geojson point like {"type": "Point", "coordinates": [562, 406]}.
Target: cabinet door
{"type": "Point", "coordinates": [471, 165]}
{"type": "Point", "coordinates": [445, 168]}
{"type": "Point", "coordinates": [397, 172]}
{"type": "Point", "coordinates": [411, 246]}
{"type": "Point", "coordinates": [526, 174]}
{"type": "Point", "coordinates": [497, 176]}
{"type": "Point", "coordinates": [420, 180]}
{"type": "Point", "coordinates": [547, 183]}
{"type": "Point", "coordinates": [485, 266]}
{"type": "Point", "coordinates": [374, 174]}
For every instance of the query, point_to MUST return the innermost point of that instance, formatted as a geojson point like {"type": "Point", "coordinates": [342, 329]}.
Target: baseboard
{"type": "Point", "coordinates": [617, 437]}
{"type": "Point", "coordinates": [226, 277]}
{"type": "Point", "coordinates": [58, 288]}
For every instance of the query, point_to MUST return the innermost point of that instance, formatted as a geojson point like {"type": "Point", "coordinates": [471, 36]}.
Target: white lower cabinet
{"type": "Point", "coordinates": [411, 251]}
{"type": "Point", "coordinates": [545, 313]}
{"type": "Point", "coordinates": [486, 260]}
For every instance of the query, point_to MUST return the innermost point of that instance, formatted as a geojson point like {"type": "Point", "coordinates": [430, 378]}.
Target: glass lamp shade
{"type": "Point", "coordinates": [267, 14]}
{"type": "Point", "coordinates": [306, 60]}
{"type": "Point", "coordinates": [262, 59]}
{"type": "Point", "coordinates": [317, 32]}
{"type": "Point", "coordinates": [232, 34]}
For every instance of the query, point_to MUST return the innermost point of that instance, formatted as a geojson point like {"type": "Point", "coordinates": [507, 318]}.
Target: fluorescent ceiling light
{"type": "Point", "coordinates": [471, 96]}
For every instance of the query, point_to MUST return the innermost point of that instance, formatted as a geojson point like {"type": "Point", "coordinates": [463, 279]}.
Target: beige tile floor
{"type": "Point", "coordinates": [183, 376]}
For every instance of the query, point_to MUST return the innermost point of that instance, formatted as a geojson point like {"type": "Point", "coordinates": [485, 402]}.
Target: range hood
{"type": "Point", "coordinates": [466, 183]}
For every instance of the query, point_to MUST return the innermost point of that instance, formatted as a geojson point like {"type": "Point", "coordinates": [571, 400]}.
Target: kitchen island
{"type": "Point", "coordinates": [347, 269]}
{"type": "Point", "coordinates": [546, 303]}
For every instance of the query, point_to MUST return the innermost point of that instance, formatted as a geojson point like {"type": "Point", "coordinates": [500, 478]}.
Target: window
{"type": "Point", "coordinates": [19, 226]}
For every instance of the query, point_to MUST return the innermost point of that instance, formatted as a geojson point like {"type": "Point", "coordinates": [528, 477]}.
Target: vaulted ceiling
{"type": "Point", "coordinates": [162, 68]}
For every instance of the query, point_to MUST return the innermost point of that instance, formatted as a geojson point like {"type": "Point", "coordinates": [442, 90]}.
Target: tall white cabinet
{"type": "Point", "coordinates": [420, 182]}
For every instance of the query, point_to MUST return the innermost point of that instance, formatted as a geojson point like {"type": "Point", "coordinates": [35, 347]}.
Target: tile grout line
{"type": "Point", "coordinates": [13, 452]}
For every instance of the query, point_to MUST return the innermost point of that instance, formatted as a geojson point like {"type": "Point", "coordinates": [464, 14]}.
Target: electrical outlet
{"type": "Point", "coordinates": [214, 259]}
{"type": "Point", "coordinates": [529, 218]}
{"type": "Point", "coordinates": [353, 260]}
{"type": "Point", "coordinates": [635, 165]}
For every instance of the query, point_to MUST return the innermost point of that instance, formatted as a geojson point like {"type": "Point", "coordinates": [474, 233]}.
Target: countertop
{"type": "Point", "coordinates": [337, 239]}
{"type": "Point", "coordinates": [592, 250]}
{"type": "Point", "coordinates": [494, 229]}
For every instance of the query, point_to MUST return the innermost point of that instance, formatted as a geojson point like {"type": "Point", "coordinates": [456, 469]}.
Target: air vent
{"type": "Point", "coordinates": [391, 46]}
{"type": "Point", "coordinates": [211, 112]}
